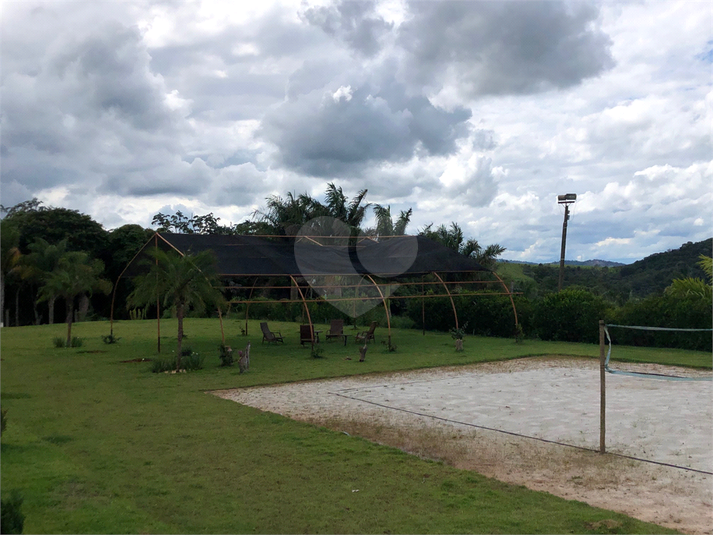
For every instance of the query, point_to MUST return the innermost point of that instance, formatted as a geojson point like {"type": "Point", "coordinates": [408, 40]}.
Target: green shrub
{"type": "Point", "coordinates": [76, 342]}
{"type": "Point", "coordinates": [689, 312]}
{"type": "Point", "coordinates": [571, 315]}
{"type": "Point", "coordinates": [189, 362]}
{"type": "Point", "coordinates": [110, 339]}
{"type": "Point", "coordinates": [226, 355]}
{"type": "Point", "coordinates": [58, 341]}
{"type": "Point", "coordinates": [12, 519]}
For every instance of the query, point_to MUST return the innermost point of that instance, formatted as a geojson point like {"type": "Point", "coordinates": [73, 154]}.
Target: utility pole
{"type": "Point", "coordinates": [567, 199]}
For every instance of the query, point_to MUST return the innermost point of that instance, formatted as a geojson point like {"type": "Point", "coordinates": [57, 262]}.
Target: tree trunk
{"type": "Point", "coordinates": [70, 313]}
{"type": "Point", "coordinates": [50, 311]}
{"type": "Point", "coordinates": [179, 316]}
{"type": "Point", "coordinates": [17, 307]}
{"type": "Point", "coordinates": [83, 307]}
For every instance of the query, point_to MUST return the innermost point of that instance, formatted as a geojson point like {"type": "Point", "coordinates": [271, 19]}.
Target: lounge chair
{"type": "Point", "coordinates": [307, 334]}
{"type": "Point", "coordinates": [270, 336]}
{"type": "Point", "coordinates": [336, 329]}
{"type": "Point", "coordinates": [367, 335]}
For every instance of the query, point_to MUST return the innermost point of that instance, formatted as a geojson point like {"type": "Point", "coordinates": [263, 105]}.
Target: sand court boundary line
{"type": "Point", "coordinates": [512, 433]}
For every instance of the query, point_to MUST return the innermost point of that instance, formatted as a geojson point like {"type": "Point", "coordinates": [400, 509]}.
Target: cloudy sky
{"type": "Point", "coordinates": [469, 111]}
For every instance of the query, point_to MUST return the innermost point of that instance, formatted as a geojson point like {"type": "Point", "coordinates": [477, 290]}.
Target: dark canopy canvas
{"type": "Point", "coordinates": [390, 257]}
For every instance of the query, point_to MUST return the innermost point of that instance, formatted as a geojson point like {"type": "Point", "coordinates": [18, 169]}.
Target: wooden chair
{"type": "Point", "coordinates": [307, 334]}
{"type": "Point", "coordinates": [270, 336]}
{"type": "Point", "coordinates": [367, 335]}
{"type": "Point", "coordinates": [336, 329]}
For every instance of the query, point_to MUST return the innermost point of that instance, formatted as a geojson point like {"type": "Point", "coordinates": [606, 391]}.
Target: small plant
{"type": "Point", "coordinates": [189, 361]}
{"type": "Point", "coordinates": [316, 352]}
{"type": "Point", "coordinates": [76, 342]}
{"type": "Point", "coordinates": [58, 342]}
{"type": "Point", "coordinates": [163, 365]}
{"type": "Point", "coordinates": [110, 339]}
{"type": "Point", "coordinates": [186, 351]}
{"type": "Point", "coordinates": [390, 348]}
{"type": "Point", "coordinates": [459, 332]}
{"type": "Point", "coordinates": [226, 355]}
{"type": "Point", "coordinates": [12, 518]}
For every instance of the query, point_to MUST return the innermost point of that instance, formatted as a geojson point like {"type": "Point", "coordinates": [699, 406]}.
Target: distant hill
{"type": "Point", "coordinates": [616, 282]}
{"type": "Point", "coordinates": [595, 262]}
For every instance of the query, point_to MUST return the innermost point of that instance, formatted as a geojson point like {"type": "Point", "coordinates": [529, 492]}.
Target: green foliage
{"type": "Point", "coordinates": [3, 420]}
{"type": "Point", "coordinates": [184, 282]}
{"type": "Point", "coordinates": [316, 352]}
{"type": "Point", "coordinates": [76, 342]}
{"type": "Point", "coordinates": [57, 224]}
{"type": "Point", "coordinates": [189, 362]}
{"type": "Point", "coordinates": [571, 315]}
{"type": "Point", "coordinates": [688, 312]}
{"type": "Point", "coordinates": [226, 355]}
{"type": "Point", "coordinates": [11, 518]}
{"type": "Point", "coordinates": [137, 313]}
{"type": "Point", "coordinates": [459, 333]}
{"type": "Point", "coordinates": [59, 342]}
{"type": "Point", "coordinates": [110, 339]}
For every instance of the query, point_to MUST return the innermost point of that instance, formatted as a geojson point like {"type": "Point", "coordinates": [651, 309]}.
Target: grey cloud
{"type": "Point", "coordinates": [323, 135]}
{"type": "Point", "coordinates": [355, 23]}
{"type": "Point", "coordinates": [514, 47]}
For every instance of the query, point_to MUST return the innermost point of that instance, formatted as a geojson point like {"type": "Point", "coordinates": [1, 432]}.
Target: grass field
{"type": "Point", "coordinates": [96, 444]}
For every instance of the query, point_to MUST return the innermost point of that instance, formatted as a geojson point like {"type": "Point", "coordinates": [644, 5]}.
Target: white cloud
{"type": "Point", "coordinates": [119, 109]}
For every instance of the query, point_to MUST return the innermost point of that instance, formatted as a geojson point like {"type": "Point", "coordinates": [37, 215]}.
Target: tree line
{"type": "Point", "coordinates": [57, 260]}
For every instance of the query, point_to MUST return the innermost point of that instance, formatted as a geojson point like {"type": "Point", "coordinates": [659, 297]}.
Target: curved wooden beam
{"type": "Point", "coordinates": [512, 301]}
{"type": "Point", "coordinates": [304, 302]}
{"type": "Point", "coordinates": [455, 314]}
{"type": "Point", "coordinates": [116, 284]}
{"type": "Point", "coordinates": [386, 307]}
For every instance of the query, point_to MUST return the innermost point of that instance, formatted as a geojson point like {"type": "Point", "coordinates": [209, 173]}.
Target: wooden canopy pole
{"type": "Point", "coordinates": [116, 284]}
{"type": "Point", "coordinates": [455, 314]}
{"type": "Point", "coordinates": [304, 302]}
{"type": "Point", "coordinates": [247, 305]}
{"type": "Point", "coordinates": [386, 307]}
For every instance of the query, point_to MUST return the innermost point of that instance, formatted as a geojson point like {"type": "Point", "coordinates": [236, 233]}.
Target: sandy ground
{"type": "Point", "coordinates": [474, 417]}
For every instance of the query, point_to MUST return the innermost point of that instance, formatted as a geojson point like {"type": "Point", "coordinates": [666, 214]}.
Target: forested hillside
{"type": "Point", "coordinates": [649, 276]}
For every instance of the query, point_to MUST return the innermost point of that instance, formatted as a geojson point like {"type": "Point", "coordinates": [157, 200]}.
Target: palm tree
{"type": "Point", "coordinates": [75, 274]}
{"type": "Point", "coordinates": [453, 238]}
{"type": "Point", "coordinates": [286, 216]}
{"type": "Point", "coordinates": [693, 286]}
{"type": "Point", "coordinates": [40, 262]}
{"type": "Point", "coordinates": [9, 240]}
{"type": "Point", "coordinates": [385, 225]}
{"type": "Point", "coordinates": [181, 281]}
{"type": "Point", "coordinates": [340, 207]}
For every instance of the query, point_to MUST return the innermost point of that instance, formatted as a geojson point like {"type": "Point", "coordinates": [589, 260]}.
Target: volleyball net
{"type": "Point", "coordinates": [679, 375]}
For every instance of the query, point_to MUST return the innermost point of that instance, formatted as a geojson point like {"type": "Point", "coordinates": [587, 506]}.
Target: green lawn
{"type": "Point", "coordinates": [100, 445]}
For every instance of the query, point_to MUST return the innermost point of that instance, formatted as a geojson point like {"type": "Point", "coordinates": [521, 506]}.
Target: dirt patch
{"type": "Point", "coordinates": [365, 406]}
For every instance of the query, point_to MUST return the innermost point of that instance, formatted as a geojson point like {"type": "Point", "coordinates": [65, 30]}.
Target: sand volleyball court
{"type": "Point", "coordinates": [518, 421]}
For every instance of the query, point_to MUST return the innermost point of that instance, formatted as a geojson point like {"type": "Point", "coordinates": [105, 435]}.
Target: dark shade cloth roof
{"type": "Point", "coordinates": [390, 257]}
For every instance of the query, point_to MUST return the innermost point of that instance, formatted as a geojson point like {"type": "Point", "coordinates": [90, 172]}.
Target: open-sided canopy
{"type": "Point", "coordinates": [391, 257]}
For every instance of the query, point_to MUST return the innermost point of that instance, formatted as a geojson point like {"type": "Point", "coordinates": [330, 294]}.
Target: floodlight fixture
{"type": "Point", "coordinates": [567, 198]}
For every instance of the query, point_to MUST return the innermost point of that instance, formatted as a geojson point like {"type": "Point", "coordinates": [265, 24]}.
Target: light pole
{"type": "Point", "coordinates": [567, 199]}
